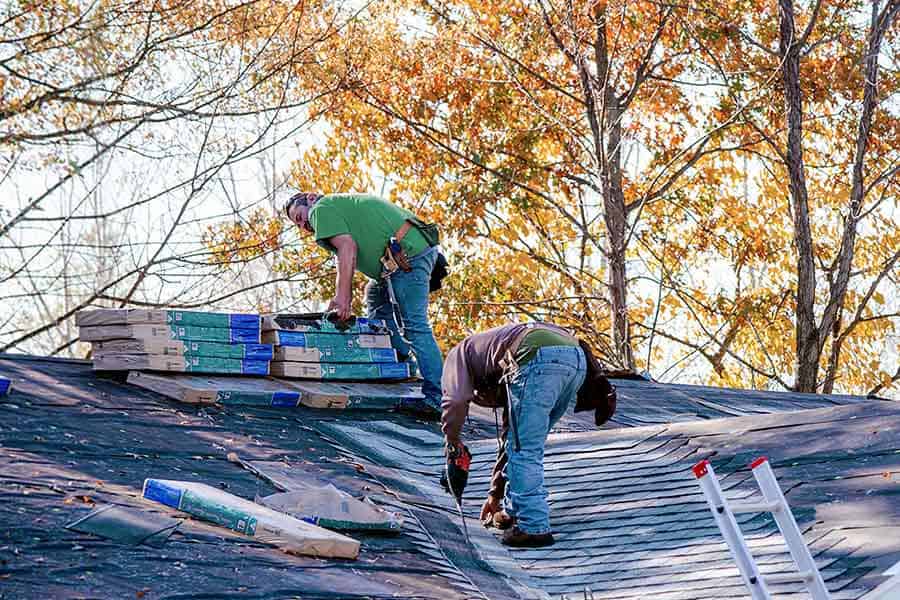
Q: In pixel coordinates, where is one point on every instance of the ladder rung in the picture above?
(789, 577)
(755, 507)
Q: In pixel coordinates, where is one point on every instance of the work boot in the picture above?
(517, 538)
(502, 520)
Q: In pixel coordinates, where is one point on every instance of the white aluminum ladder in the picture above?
(773, 502)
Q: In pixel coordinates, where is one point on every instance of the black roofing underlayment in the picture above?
(628, 515)
(70, 440)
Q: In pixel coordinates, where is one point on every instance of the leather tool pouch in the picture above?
(388, 263)
(395, 257)
(401, 259)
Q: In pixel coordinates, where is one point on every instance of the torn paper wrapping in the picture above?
(332, 508)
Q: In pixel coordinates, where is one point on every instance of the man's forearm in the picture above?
(346, 266)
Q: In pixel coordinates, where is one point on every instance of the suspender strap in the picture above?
(404, 229)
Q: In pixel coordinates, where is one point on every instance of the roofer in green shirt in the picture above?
(397, 252)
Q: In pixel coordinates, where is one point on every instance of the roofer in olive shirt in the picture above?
(358, 227)
(543, 367)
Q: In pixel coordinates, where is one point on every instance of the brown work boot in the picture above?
(502, 520)
(519, 539)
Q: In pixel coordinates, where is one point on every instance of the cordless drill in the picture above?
(456, 474)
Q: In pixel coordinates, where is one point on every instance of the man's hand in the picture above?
(341, 307)
(490, 507)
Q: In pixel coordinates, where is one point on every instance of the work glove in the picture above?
(456, 473)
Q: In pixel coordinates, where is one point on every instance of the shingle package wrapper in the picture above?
(188, 348)
(180, 364)
(196, 333)
(323, 341)
(335, 355)
(343, 371)
(132, 316)
(248, 518)
(332, 508)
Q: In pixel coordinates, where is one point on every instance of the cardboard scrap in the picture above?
(248, 518)
(326, 340)
(342, 370)
(170, 332)
(131, 316)
(332, 508)
(126, 525)
(179, 364)
(184, 348)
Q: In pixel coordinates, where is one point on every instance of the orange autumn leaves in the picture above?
(476, 114)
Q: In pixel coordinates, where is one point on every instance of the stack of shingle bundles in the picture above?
(172, 340)
(310, 348)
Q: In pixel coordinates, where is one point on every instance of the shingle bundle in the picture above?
(311, 348)
(170, 340)
(279, 393)
(5, 386)
(248, 518)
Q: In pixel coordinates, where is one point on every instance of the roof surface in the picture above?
(628, 515)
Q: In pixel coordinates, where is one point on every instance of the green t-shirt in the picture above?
(539, 338)
(370, 221)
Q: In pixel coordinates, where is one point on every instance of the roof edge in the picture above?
(34, 358)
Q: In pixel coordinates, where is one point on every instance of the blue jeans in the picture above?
(539, 394)
(411, 291)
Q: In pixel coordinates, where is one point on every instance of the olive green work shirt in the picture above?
(370, 221)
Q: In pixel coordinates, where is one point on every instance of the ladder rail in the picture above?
(731, 531)
(775, 503)
(787, 524)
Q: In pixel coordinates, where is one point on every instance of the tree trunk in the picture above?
(831, 317)
(616, 226)
(807, 334)
(604, 113)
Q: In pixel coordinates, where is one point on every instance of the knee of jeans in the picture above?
(529, 455)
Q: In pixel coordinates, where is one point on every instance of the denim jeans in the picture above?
(411, 291)
(539, 394)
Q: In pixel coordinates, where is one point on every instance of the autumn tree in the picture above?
(536, 132)
(804, 227)
(125, 127)
(812, 335)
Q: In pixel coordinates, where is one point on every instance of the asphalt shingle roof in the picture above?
(629, 516)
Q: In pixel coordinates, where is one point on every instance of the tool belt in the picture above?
(395, 257)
